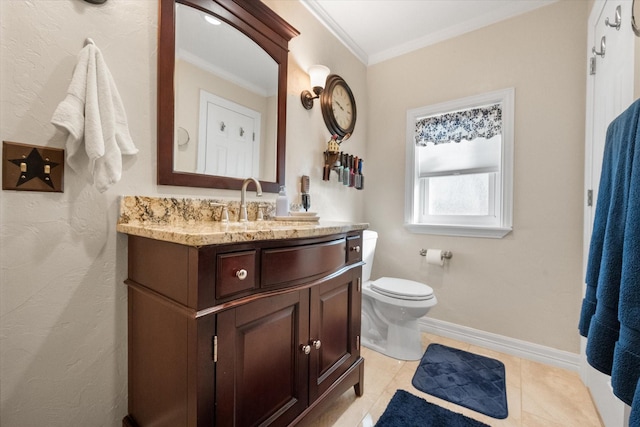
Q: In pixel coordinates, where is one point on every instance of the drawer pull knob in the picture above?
(316, 344)
(306, 349)
(241, 274)
(355, 249)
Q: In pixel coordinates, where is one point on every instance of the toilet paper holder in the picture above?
(444, 255)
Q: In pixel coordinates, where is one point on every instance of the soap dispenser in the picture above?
(282, 202)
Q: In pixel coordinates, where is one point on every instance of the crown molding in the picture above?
(510, 10)
(325, 19)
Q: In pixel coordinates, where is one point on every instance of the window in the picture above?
(460, 167)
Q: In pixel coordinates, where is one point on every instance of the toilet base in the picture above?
(403, 342)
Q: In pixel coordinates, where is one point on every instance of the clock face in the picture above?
(342, 106)
(338, 106)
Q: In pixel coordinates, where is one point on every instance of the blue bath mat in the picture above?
(407, 410)
(466, 379)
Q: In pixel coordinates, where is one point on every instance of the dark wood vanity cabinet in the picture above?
(262, 333)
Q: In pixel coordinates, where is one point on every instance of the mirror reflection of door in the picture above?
(229, 141)
(215, 57)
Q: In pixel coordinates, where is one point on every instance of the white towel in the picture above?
(92, 113)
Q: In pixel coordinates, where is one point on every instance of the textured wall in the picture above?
(527, 285)
(63, 348)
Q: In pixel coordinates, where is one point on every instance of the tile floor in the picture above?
(537, 395)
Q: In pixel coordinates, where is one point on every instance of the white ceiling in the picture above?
(377, 30)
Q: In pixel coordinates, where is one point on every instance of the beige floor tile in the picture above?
(367, 421)
(379, 370)
(347, 410)
(556, 395)
(354, 414)
(530, 420)
(514, 404)
(377, 409)
(402, 379)
(435, 400)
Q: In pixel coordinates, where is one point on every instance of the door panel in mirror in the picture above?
(201, 59)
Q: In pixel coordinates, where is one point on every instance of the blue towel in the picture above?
(599, 317)
(608, 170)
(626, 363)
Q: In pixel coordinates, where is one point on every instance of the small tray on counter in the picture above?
(299, 216)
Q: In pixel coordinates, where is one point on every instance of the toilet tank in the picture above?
(369, 238)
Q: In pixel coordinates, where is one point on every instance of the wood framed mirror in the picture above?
(222, 80)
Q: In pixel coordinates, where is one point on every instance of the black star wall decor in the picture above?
(32, 168)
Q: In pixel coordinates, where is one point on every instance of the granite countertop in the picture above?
(196, 222)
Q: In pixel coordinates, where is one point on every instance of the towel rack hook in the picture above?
(615, 24)
(89, 40)
(603, 47)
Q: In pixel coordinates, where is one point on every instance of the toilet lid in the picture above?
(402, 289)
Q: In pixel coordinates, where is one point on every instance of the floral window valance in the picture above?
(481, 122)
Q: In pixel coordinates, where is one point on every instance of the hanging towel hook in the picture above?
(89, 40)
(617, 22)
(603, 47)
(95, 1)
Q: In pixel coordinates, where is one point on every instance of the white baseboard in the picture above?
(526, 350)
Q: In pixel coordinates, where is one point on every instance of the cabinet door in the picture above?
(261, 371)
(335, 322)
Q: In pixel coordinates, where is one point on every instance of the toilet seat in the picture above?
(402, 289)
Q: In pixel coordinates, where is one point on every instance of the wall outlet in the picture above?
(31, 168)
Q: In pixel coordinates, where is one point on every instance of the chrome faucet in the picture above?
(243, 193)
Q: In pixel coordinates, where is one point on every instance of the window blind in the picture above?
(480, 155)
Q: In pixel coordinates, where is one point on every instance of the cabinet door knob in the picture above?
(241, 274)
(316, 344)
(355, 249)
(306, 349)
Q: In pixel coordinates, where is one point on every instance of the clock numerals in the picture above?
(344, 119)
(338, 106)
(341, 107)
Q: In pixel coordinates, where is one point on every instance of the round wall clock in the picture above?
(338, 106)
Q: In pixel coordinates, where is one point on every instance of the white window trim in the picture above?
(506, 97)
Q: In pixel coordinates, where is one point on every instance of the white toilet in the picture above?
(391, 308)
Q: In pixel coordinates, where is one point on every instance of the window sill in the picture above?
(459, 230)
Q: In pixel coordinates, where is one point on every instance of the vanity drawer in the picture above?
(354, 249)
(235, 273)
(286, 266)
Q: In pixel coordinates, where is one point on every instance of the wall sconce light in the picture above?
(318, 76)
